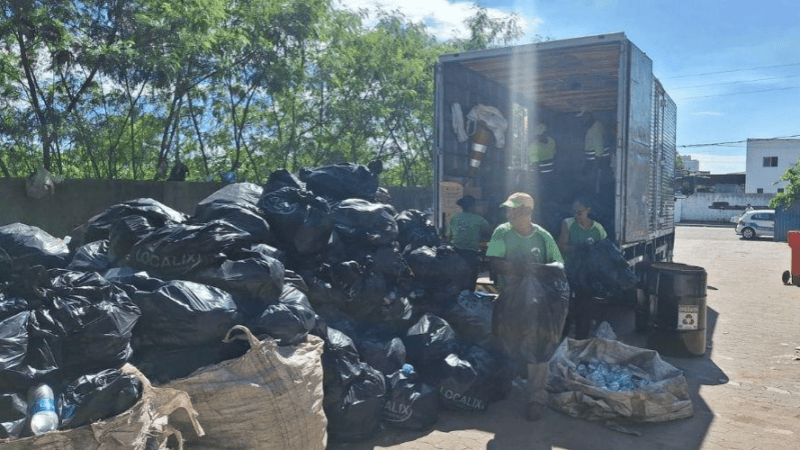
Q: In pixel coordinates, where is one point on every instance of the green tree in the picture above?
(791, 193)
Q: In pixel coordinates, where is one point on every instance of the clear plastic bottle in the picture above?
(42, 407)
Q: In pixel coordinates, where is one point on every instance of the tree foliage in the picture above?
(791, 193)
(126, 88)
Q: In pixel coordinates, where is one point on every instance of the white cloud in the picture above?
(445, 19)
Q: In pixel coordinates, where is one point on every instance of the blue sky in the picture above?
(732, 66)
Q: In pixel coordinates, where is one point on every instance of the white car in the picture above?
(756, 223)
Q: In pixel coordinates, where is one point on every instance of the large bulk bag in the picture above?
(270, 398)
(145, 425)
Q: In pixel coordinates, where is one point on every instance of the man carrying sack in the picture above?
(530, 311)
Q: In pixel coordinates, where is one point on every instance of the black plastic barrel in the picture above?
(680, 323)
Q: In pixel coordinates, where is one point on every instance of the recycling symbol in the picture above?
(689, 319)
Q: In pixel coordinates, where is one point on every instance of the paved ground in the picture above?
(746, 389)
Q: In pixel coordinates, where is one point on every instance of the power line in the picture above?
(740, 93)
(735, 70)
(734, 82)
(720, 144)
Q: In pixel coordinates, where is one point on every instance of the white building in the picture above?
(767, 160)
(692, 165)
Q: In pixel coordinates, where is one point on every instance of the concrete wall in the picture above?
(76, 201)
(696, 207)
(767, 178)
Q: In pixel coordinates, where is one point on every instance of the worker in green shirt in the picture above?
(464, 233)
(514, 246)
(580, 230)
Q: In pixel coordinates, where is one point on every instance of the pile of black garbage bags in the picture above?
(321, 252)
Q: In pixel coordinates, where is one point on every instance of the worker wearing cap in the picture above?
(513, 246)
(465, 231)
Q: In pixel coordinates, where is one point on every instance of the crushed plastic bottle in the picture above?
(613, 377)
(42, 410)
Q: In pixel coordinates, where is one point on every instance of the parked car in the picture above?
(757, 223)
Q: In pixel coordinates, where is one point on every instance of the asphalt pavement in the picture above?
(745, 389)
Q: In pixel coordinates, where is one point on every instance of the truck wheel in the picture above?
(748, 233)
(786, 277)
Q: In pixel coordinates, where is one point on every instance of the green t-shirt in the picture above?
(465, 230)
(508, 244)
(579, 235)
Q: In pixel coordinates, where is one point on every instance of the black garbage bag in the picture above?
(254, 283)
(356, 414)
(363, 288)
(383, 351)
(411, 404)
(86, 325)
(416, 230)
(341, 363)
(175, 251)
(132, 280)
(301, 222)
(471, 317)
(599, 270)
(428, 342)
(163, 364)
(472, 381)
(96, 397)
(245, 195)
(396, 314)
(282, 178)
(10, 306)
(530, 312)
(23, 246)
(126, 232)
(91, 257)
(184, 314)
(247, 219)
(157, 213)
(321, 291)
(359, 222)
(329, 316)
(341, 181)
(440, 269)
(13, 413)
(289, 321)
(256, 251)
(13, 349)
(389, 261)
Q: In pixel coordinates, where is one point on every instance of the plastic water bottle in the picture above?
(407, 369)
(43, 410)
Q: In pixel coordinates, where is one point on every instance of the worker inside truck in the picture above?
(514, 246)
(577, 230)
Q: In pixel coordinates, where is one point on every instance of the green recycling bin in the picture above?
(679, 327)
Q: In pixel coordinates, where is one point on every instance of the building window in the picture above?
(770, 161)
(760, 191)
(780, 190)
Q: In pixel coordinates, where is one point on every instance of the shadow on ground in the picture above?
(503, 427)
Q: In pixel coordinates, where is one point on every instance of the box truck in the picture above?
(562, 120)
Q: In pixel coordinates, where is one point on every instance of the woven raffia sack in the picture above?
(270, 398)
(144, 425)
